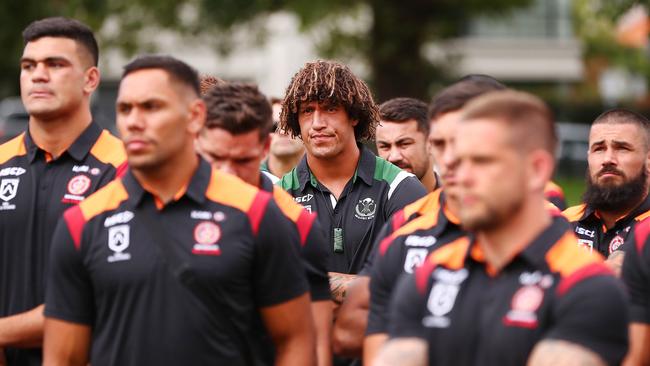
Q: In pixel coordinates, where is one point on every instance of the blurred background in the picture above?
(581, 56)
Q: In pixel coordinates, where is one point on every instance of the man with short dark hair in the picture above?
(63, 157)
(235, 139)
(174, 263)
(401, 138)
(617, 184)
(353, 191)
(519, 290)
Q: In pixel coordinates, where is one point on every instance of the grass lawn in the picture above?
(573, 188)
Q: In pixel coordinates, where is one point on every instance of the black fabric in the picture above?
(401, 255)
(358, 231)
(315, 252)
(29, 215)
(139, 311)
(591, 233)
(471, 316)
(636, 273)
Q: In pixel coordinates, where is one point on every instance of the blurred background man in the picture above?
(285, 151)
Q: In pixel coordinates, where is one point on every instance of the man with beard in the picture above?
(401, 138)
(617, 184)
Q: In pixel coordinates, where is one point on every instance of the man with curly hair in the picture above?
(353, 191)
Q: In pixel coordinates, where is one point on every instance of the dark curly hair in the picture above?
(334, 83)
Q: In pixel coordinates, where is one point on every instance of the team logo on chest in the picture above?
(616, 243)
(443, 297)
(206, 235)
(527, 300)
(365, 209)
(77, 186)
(118, 242)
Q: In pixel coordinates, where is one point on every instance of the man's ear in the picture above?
(91, 80)
(541, 165)
(197, 115)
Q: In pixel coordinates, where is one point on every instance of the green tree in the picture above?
(391, 46)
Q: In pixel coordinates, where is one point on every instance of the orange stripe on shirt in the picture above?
(428, 203)
(109, 150)
(231, 191)
(12, 148)
(421, 223)
(567, 257)
(574, 213)
(452, 256)
(107, 198)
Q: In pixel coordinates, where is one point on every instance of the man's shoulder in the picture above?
(108, 149)
(574, 213)
(105, 199)
(389, 173)
(290, 181)
(13, 148)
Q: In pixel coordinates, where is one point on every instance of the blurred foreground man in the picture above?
(62, 158)
(617, 184)
(401, 138)
(519, 291)
(175, 263)
(365, 311)
(636, 276)
(235, 139)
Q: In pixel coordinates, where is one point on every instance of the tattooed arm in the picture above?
(615, 262)
(403, 352)
(339, 285)
(552, 352)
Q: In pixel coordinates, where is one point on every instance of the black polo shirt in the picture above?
(636, 272)
(592, 233)
(403, 251)
(376, 191)
(471, 315)
(35, 189)
(108, 273)
(314, 249)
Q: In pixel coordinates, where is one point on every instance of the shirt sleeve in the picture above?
(315, 254)
(69, 291)
(279, 274)
(407, 309)
(637, 279)
(408, 190)
(386, 270)
(582, 316)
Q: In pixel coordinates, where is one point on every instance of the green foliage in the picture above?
(595, 25)
(391, 44)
